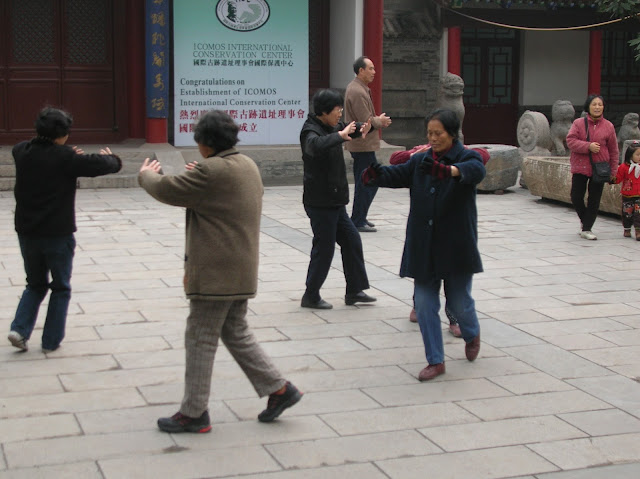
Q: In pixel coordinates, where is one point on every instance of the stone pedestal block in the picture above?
(502, 168)
(551, 178)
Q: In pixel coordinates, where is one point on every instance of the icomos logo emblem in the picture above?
(242, 15)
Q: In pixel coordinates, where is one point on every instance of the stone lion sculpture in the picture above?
(450, 97)
(562, 115)
(628, 131)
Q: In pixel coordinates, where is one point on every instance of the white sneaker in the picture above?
(588, 235)
(17, 340)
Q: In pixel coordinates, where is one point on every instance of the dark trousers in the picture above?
(331, 226)
(44, 255)
(579, 186)
(631, 212)
(362, 195)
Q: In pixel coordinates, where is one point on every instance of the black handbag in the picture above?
(601, 171)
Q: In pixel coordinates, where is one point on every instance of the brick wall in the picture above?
(411, 62)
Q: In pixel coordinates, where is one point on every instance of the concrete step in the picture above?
(278, 164)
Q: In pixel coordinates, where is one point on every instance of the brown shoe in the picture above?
(413, 317)
(472, 348)
(431, 371)
(627, 233)
(638, 234)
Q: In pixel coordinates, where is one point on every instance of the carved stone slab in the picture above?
(550, 177)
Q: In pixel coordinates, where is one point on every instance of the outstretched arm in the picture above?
(186, 190)
(92, 165)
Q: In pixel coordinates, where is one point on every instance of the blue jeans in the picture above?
(362, 195)
(44, 255)
(457, 290)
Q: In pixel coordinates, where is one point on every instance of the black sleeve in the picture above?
(357, 134)
(92, 165)
(314, 144)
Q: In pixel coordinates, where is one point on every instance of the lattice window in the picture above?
(86, 32)
(500, 74)
(620, 81)
(471, 72)
(33, 31)
(487, 34)
(487, 65)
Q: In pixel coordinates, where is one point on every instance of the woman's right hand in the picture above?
(350, 128)
(594, 147)
(150, 165)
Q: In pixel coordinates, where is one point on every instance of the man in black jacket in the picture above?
(326, 192)
(46, 178)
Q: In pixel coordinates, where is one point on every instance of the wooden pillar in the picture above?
(372, 46)
(157, 40)
(453, 50)
(595, 61)
(135, 68)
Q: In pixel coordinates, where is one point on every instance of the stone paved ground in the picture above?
(553, 395)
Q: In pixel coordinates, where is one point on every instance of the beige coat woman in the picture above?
(223, 197)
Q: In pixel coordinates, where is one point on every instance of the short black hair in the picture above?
(217, 130)
(633, 146)
(590, 98)
(324, 101)
(360, 63)
(53, 123)
(449, 120)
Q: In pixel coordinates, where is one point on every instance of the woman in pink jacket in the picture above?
(602, 145)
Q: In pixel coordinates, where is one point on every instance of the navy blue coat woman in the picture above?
(441, 243)
(442, 229)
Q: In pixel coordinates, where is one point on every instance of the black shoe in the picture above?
(368, 223)
(320, 304)
(366, 229)
(279, 402)
(181, 423)
(361, 297)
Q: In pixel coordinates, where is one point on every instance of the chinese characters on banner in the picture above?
(247, 57)
(157, 58)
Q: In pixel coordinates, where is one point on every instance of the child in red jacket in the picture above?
(629, 176)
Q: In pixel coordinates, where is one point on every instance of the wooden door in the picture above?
(318, 45)
(63, 53)
(490, 72)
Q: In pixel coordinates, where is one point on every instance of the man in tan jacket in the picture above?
(222, 195)
(358, 107)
